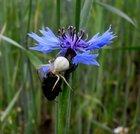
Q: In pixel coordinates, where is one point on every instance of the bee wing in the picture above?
(43, 71)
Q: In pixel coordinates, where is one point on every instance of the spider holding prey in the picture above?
(57, 71)
(74, 48)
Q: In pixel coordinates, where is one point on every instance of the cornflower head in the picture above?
(71, 40)
(74, 48)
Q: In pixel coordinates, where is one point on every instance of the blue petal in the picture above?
(43, 49)
(98, 41)
(49, 35)
(45, 43)
(86, 58)
(43, 70)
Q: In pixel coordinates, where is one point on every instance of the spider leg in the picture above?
(50, 61)
(65, 81)
(58, 78)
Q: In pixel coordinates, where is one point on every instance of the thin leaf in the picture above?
(3, 29)
(101, 125)
(85, 12)
(33, 59)
(10, 106)
(11, 41)
(58, 13)
(129, 48)
(77, 14)
(117, 11)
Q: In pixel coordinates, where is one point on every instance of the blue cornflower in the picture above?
(74, 48)
(70, 39)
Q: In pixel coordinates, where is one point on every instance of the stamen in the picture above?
(71, 33)
(70, 30)
(62, 45)
(64, 36)
(86, 37)
(82, 34)
(61, 32)
(77, 38)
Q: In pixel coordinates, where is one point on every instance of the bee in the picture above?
(48, 84)
(58, 70)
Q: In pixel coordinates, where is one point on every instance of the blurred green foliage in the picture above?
(104, 97)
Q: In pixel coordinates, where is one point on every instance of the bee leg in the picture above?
(66, 81)
(58, 78)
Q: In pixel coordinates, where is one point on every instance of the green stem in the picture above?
(63, 111)
(77, 14)
(58, 13)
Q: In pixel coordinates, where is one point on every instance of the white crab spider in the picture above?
(59, 65)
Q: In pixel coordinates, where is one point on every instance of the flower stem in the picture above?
(58, 13)
(63, 111)
(77, 14)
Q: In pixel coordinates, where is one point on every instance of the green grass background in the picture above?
(104, 97)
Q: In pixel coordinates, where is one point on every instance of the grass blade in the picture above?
(77, 14)
(11, 41)
(102, 126)
(117, 11)
(33, 59)
(10, 106)
(85, 13)
(3, 29)
(58, 13)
